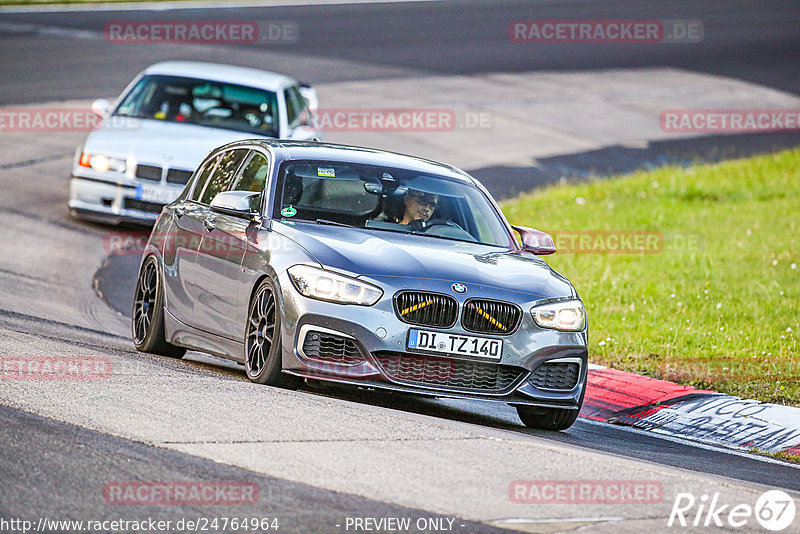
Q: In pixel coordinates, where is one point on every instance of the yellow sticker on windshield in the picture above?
(327, 172)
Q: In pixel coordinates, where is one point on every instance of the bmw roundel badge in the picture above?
(459, 288)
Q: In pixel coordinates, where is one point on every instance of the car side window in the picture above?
(223, 176)
(254, 175)
(202, 178)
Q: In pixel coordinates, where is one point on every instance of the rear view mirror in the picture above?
(536, 241)
(373, 188)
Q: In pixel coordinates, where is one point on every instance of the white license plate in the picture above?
(157, 194)
(480, 347)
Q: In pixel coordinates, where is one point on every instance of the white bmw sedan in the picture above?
(166, 121)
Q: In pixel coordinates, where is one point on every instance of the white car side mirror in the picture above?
(101, 107)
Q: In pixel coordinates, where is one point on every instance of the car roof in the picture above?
(314, 150)
(262, 79)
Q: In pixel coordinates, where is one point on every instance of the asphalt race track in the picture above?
(322, 455)
(754, 43)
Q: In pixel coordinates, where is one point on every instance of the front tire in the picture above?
(547, 418)
(147, 318)
(262, 344)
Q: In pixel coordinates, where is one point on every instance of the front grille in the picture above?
(418, 369)
(557, 375)
(141, 205)
(490, 316)
(178, 176)
(426, 309)
(148, 172)
(331, 348)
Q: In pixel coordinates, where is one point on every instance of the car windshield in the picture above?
(202, 102)
(388, 199)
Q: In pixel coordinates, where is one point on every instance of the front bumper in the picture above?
(377, 336)
(109, 202)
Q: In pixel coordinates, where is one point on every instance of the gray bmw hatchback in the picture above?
(306, 260)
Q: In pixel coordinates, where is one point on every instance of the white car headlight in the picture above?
(324, 285)
(569, 315)
(101, 163)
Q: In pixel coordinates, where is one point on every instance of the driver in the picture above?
(419, 206)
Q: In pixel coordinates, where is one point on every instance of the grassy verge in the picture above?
(714, 301)
(786, 457)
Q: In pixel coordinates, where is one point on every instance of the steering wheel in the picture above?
(420, 225)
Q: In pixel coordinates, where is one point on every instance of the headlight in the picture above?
(569, 315)
(324, 285)
(101, 163)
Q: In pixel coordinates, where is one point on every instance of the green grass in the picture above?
(718, 306)
(785, 456)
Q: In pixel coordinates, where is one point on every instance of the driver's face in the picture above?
(420, 206)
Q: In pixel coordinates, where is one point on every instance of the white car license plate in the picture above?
(480, 347)
(156, 193)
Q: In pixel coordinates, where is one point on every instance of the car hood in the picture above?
(160, 143)
(377, 254)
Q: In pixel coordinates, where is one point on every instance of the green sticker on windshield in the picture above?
(288, 211)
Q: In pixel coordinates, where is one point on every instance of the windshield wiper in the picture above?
(334, 223)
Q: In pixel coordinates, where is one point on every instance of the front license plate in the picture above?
(480, 347)
(156, 194)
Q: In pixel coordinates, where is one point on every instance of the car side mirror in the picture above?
(310, 95)
(536, 241)
(236, 203)
(100, 107)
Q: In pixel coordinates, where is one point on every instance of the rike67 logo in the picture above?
(774, 511)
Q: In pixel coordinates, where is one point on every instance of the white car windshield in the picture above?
(202, 102)
(388, 199)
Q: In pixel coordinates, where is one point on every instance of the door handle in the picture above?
(210, 224)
